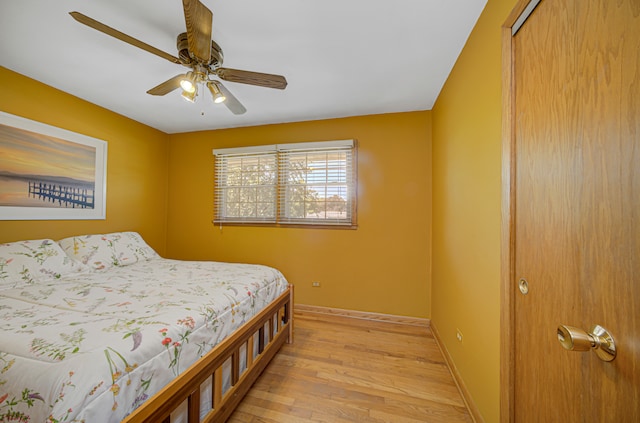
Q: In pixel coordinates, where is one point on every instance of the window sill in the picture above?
(288, 225)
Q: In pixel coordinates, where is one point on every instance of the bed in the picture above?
(99, 328)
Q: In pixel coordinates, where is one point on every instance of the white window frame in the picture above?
(340, 176)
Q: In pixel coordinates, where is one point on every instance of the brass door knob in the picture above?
(599, 340)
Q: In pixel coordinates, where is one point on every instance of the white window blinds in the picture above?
(246, 187)
(302, 183)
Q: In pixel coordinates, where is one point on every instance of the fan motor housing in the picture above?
(183, 51)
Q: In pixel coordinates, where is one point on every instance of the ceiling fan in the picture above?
(198, 52)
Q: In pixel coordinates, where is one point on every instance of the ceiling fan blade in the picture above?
(231, 102)
(83, 19)
(167, 86)
(198, 20)
(253, 78)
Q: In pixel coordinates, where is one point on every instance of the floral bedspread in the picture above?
(92, 347)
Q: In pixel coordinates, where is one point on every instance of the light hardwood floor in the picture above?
(341, 369)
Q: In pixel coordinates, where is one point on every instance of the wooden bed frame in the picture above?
(277, 318)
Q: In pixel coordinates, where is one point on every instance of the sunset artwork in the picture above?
(38, 170)
(49, 173)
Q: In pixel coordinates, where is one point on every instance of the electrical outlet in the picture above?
(315, 284)
(459, 335)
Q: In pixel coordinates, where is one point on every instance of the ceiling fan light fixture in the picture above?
(197, 51)
(190, 96)
(218, 97)
(188, 83)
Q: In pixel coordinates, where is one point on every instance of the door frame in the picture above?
(507, 247)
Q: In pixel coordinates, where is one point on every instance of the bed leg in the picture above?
(288, 311)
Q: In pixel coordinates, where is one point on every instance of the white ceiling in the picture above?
(340, 57)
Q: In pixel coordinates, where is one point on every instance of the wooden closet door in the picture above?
(576, 117)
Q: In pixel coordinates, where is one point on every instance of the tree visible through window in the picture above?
(306, 183)
(249, 187)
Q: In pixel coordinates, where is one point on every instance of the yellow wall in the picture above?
(136, 163)
(383, 266)
(466, 210)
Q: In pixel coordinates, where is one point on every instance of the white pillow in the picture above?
(102, 252)
(27, 262)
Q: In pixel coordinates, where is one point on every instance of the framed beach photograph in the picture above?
(49, 173)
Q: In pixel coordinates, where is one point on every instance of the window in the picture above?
(289, 184)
